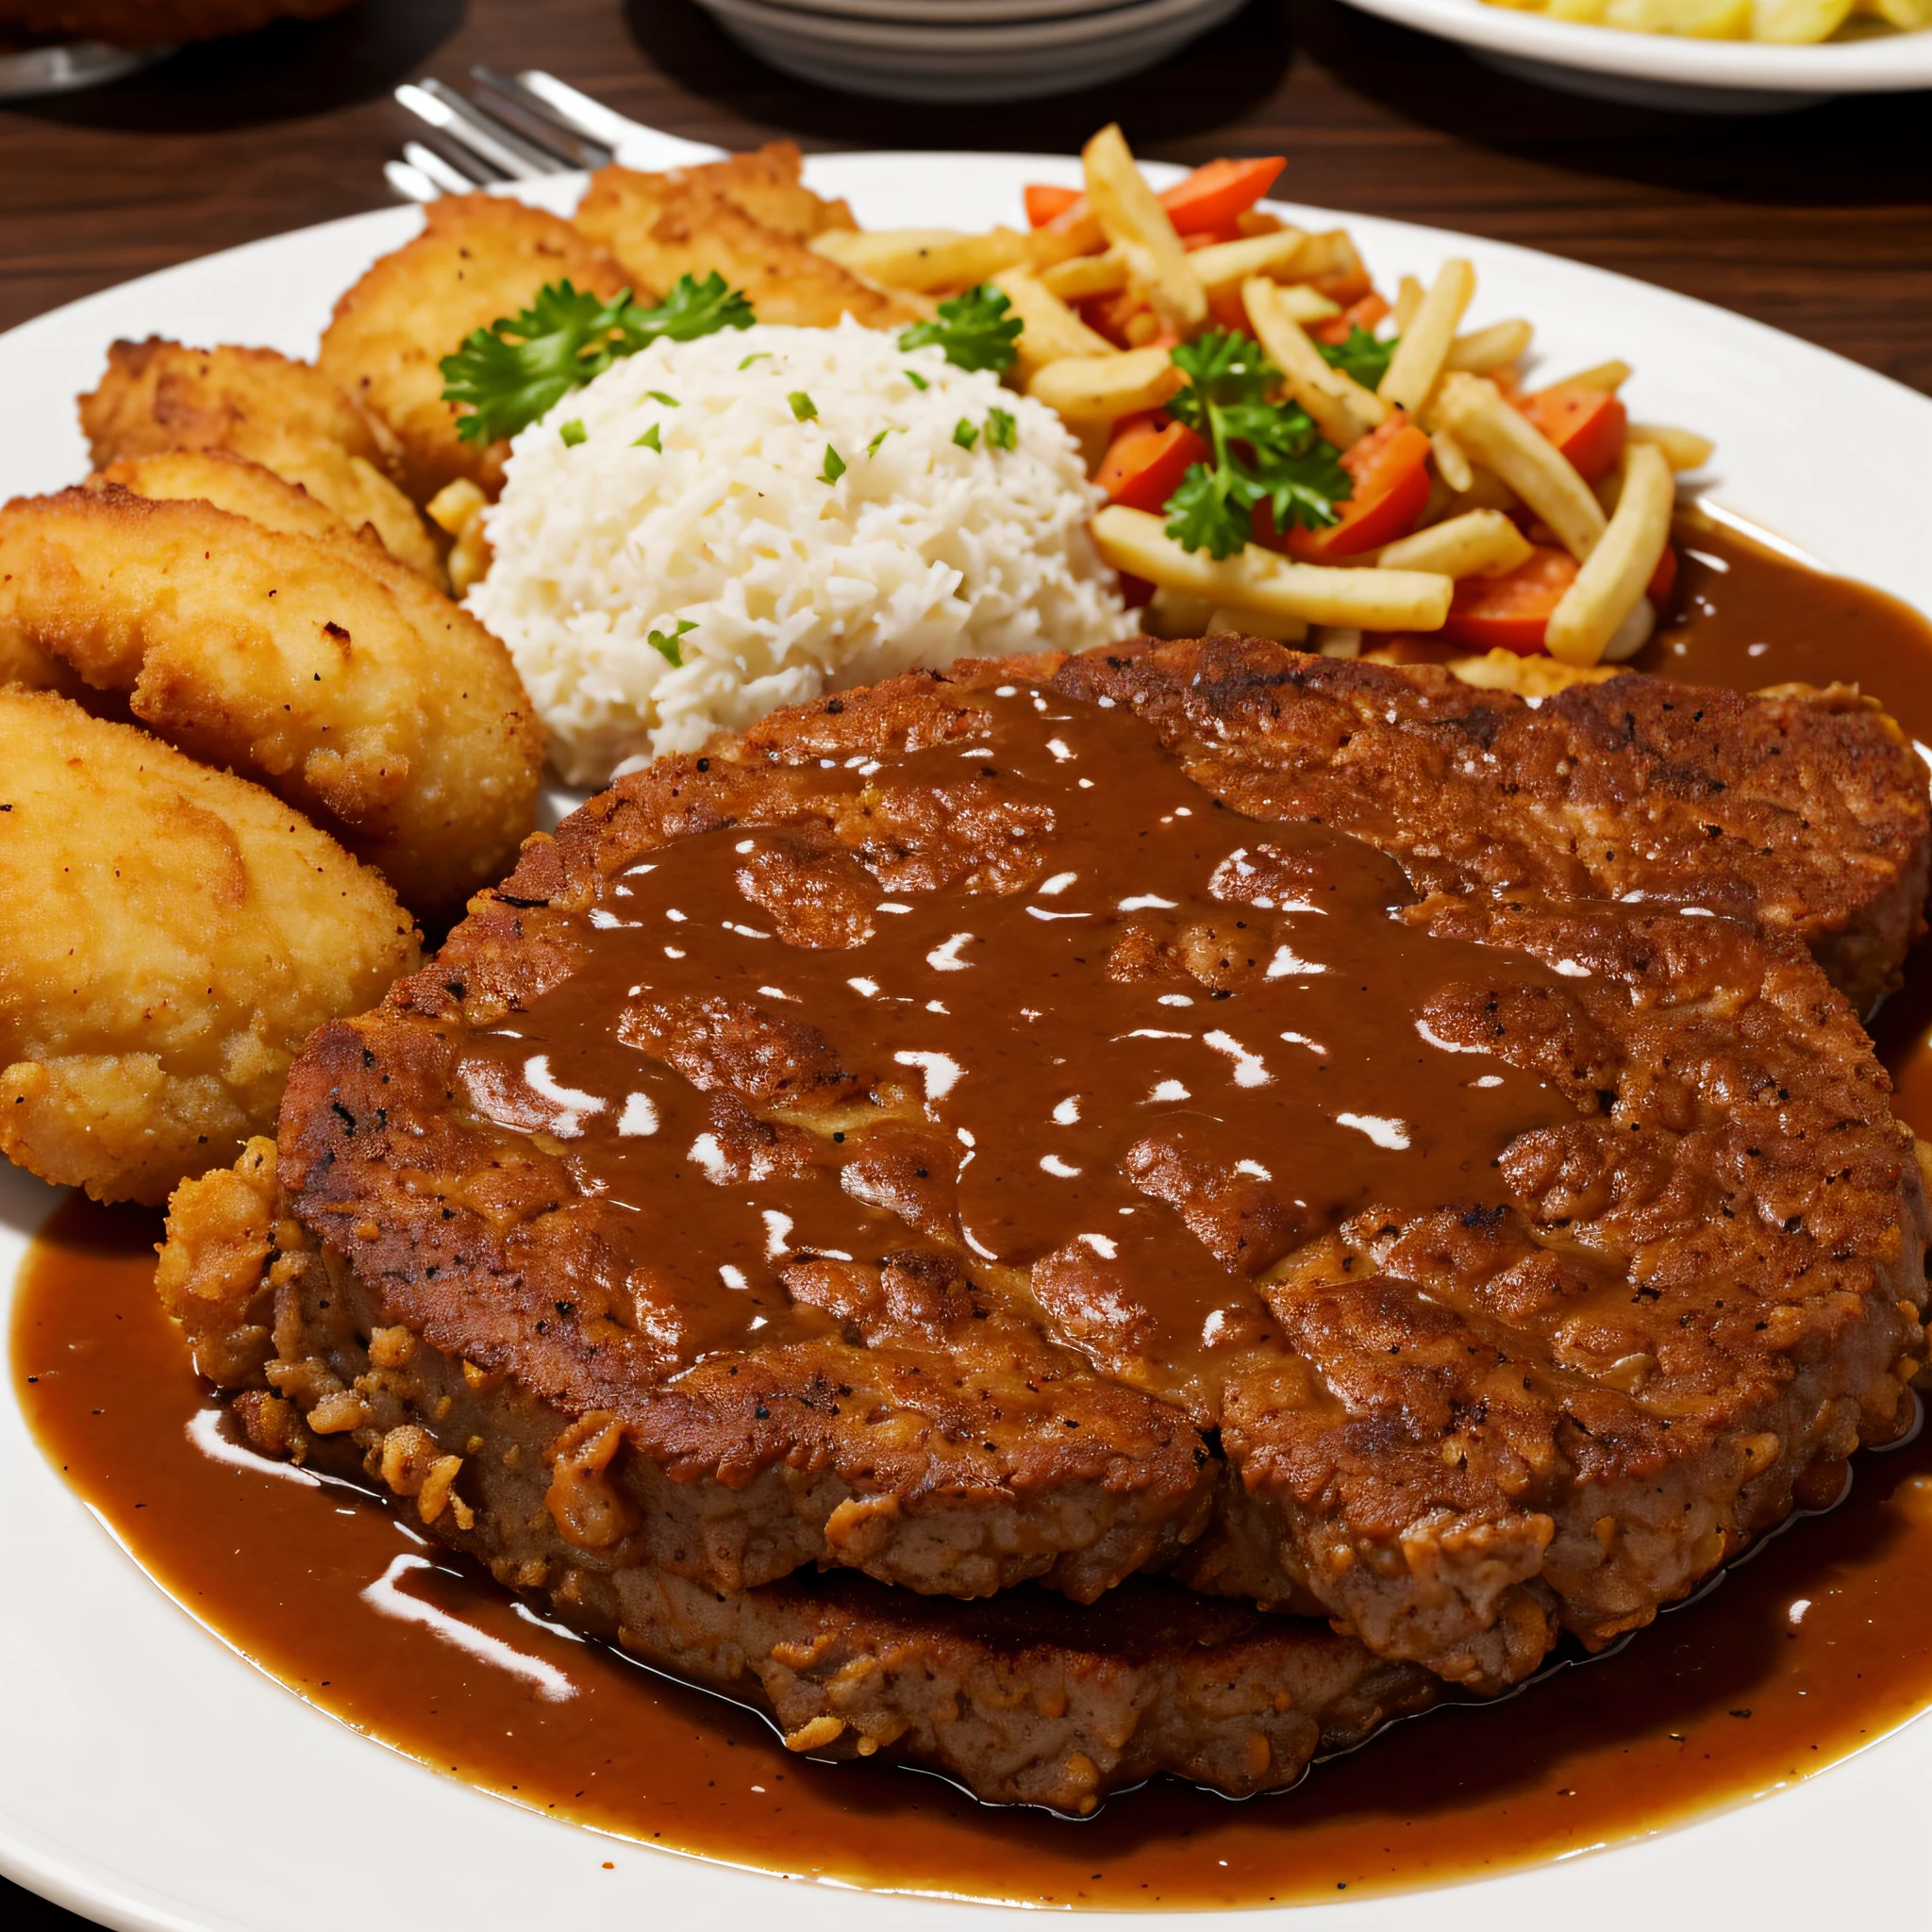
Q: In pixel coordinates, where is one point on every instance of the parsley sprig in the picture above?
(513, 371)
(1361, 355)
(666, 642)
(973, 330)
(1263, 452)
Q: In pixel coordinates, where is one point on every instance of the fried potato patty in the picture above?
(689, 222)
(768, 184)
(232, 483)
(156, 397)
(315, 664)
(184, 933)
(478, 259)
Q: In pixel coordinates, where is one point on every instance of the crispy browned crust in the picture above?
(1704, 1292)
(953, 1449)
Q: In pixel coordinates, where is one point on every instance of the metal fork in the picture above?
(520, 128)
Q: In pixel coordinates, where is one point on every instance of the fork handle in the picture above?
(634, 144)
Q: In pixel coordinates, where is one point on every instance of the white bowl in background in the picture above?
(1017, 62)
(1668, 71)
(922, 13)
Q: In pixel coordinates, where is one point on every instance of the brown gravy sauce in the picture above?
(1813, 1646)
(1079, 1076)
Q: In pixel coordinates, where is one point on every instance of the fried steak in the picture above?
(1454, 1409)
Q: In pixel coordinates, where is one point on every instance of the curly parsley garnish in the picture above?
(1361, 355)
(513, 371)
(1263, 452)
(973, 330)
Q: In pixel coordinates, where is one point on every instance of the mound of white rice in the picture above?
(921, 552)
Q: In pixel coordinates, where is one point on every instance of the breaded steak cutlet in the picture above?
(994, 1126)
(1025, 1696)
(1801, 811)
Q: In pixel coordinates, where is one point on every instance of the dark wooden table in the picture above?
(1819, 223)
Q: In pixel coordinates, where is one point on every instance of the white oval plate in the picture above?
(1668, 70)
(152, 1780)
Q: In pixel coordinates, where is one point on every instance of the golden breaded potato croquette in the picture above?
(768, 185)
(157, 396)
(231, 483)
(22, 662)
(661, 226)
(182, 934)
(316, 664)
(478, 259)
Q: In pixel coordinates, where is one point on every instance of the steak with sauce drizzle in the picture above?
(1025, 1697)
(1616, 1250)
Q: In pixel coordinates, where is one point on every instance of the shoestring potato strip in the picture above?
(1540, 517)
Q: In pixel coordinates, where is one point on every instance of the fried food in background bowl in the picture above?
(145, 23)
(254, 635)
(184, 933)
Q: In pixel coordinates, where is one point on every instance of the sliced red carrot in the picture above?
(1146, 459)
(1663, 580)
(1213, 197)
(1363, 314)
(1391, 488)
(1511, 611)
(1587, 425)
(1043, 201)
(1209, 237)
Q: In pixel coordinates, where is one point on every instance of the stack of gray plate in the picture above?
(965, 50)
